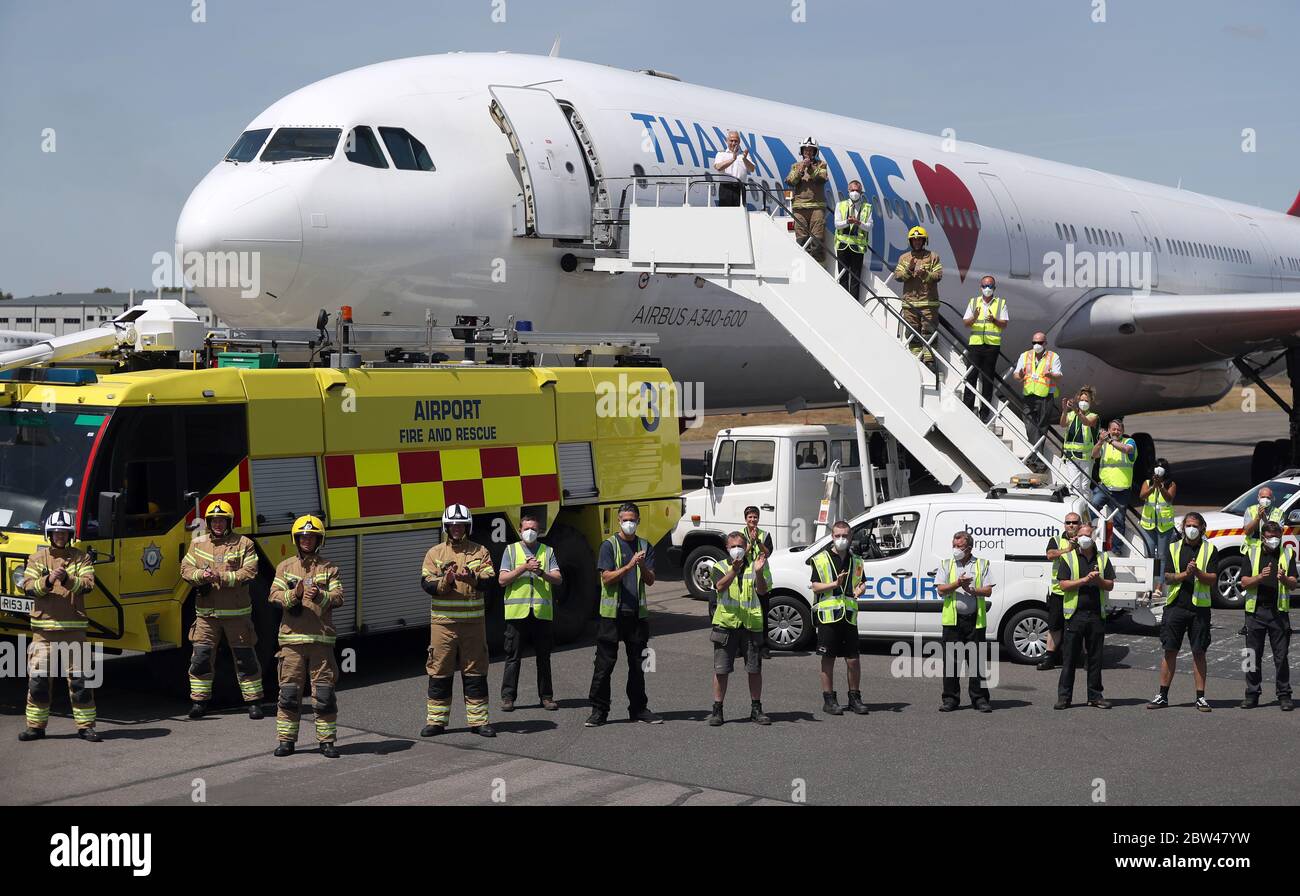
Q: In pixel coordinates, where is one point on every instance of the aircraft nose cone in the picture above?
(240, 235)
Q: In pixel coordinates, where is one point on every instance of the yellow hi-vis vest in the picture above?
(529, 593)
(738, 606)
(1157, 512)
(1117, 468)
(1253, 555)
(609, 593)
(855, 241)
(1061, 544)
(754, 547)
(831, 607)
(1079, 436)
(1201, 591)
(984, 331)
(1036, 381)
(1274, 514)
(1072, 597)
(950, 599)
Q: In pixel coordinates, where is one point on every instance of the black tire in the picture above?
(695, 569)
(1263, 462)
(577, 596)
(789, 624)
(1146, 460)
(1024, 635)
(1227, 589)
(1282, 447)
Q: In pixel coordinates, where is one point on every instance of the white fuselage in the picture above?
(396, 243)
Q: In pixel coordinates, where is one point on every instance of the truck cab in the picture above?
(782, 470)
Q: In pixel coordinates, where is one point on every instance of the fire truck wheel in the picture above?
(576, 597)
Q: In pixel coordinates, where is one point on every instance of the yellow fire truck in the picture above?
(377, 450)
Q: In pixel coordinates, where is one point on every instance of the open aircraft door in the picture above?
(556, 184)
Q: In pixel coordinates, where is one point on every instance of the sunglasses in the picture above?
(1071, 522)
(1036, 342)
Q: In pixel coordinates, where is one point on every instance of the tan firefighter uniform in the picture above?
(223, 608)
(307, 637)
(920, 295)
(809, 204)
(58, 618)
(457, 630)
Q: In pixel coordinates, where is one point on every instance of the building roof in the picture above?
(69, 299)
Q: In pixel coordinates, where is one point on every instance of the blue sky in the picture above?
(143, 101)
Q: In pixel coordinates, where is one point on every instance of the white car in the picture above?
(902, 542)
(1224, 530)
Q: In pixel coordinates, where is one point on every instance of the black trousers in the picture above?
(634, 633)
(965, 636)
(983, 368)
(1037, 410)
(850, 263)
(538, 633)
(730, 193)
(1278, 628)
(1084, 631)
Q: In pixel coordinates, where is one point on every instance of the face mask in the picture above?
(1160, 471)
(628, 527)
(736, 553)
(841, 544)
(987, 290)
(1265, 502)
(958, 553)
(1084, 405)
(1085, 541)
(1039, 348)
(854, 195)
(1191, 533)
(1272, 543)
(529, 536)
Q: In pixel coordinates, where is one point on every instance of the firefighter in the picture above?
(807, 179)
(310, 590)
(920, 272)
(738, 582)
(528, 573)
(57, 578)
(837, 583)
(454, 574)
(220, 566)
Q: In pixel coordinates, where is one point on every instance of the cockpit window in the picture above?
(296, 144)
(363, 148)
(408, 153)
(246, 147)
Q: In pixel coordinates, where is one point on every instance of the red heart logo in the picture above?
(943, 189)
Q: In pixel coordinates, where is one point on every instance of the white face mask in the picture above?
(1085, 541)
(1084, 404)
(1272, 543)
(628, 527)
(987, 290)
(1039, 348)
(1191, 533)
(1265, 502)
(1160, 471)
(736, 553)
(841, 544)
(958, 553)
(854, 195)
(529, 536)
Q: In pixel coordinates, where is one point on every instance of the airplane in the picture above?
(397, 189)
(12, 339)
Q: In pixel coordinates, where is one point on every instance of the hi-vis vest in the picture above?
(1036, 371)
(1157, 512)
(1252, 512)
(609, 593)
(984, 331)
(1201, 591)
(1061, 543)
(529, 592)
(1079, 436)
(950, 599)
(831, 607)
(1253, 555)
(738, 606)
(1117, 468)
(1072, 597)
(753, 548)
(855, 241)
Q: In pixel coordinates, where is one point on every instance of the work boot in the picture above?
(284, 748)
(31, 734)
(484, 730)
(432, 730)
(198, 709)
(90, 735)
(255, 711)
(1250, 702)
(983, 705)
(856, 704)
(715, 717)
(596, 719)
(831, 704)
(1286, 704)
(1051, 660)
(756, 714)
(1061, 704)
(549, 705)
(948, 706)
(329, 750)
(507, 705)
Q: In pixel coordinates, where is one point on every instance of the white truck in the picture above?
(901, 543)
(782, 470)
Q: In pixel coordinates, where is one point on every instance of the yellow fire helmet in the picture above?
(220, 508)
(918, 232)
(309, 525)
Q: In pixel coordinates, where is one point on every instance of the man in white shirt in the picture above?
(986, 318)
(733, 161)
(1039, 370)
(965, 585)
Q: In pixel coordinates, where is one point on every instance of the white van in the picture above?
(902, 542)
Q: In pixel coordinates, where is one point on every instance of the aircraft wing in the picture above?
(1162, 333)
